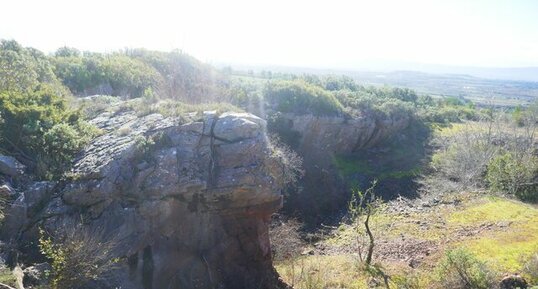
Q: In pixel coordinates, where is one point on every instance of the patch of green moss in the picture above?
(349, 165)
(400, 174)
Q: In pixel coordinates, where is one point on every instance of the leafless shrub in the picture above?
(531, 268)
(464, 152)
(286, 243)
(290, 162)
(79, 256)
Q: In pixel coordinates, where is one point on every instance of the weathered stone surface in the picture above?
(234, 127)
(190, 202)
(36, 275)
(10, 166)
(320, 139)
(327, 135)
(6, 191)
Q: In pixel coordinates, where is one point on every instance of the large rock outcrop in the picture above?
(325, 136)
(188, 202)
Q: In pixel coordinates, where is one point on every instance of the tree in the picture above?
(23, 69)
(301, 97)
(17, 70)
(67, 52)
(361, 207)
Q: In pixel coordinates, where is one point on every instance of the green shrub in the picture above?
(450, 113)
(514, 175)
(301, 97)
(115, 74)
(395, 108)
(368, 101)
(184, 77)
(407, 281)
(42, 129)
(460, 269)
(23, 69)
(334, 83)
(61, 143)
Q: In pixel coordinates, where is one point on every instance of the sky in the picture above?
(306, 33)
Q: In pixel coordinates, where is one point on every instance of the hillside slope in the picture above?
(412, 238)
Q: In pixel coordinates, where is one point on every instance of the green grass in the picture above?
(494, 209)
(400, 174)
(506, 250)
(320, 272)
(504, 247)
(350, 165)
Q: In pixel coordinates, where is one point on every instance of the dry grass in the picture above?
(323, 272)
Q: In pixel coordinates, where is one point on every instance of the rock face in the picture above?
(10, 166)
(318, 140)
(329, 135)
(189, 201)
(36, 275)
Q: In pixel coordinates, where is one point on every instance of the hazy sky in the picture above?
(339, 34)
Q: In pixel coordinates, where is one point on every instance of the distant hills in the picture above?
(497, 73)
(487, 86)
(479, 90)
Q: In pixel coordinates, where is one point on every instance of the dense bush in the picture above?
(184, 77)
(38, 125)
(464, 161)
(461, 270)
(23, 69)
(514, 175)
(334, 83)
(114, 74)
(129, 73)
(450, 114)
(40, 128)
(376, 102)
(300, 97)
